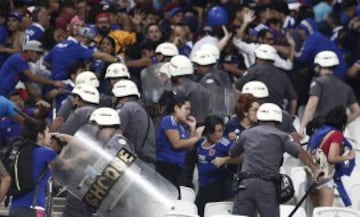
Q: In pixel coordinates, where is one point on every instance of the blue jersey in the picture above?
(33, 32)
(6, 107)
(209, 173)
(11, 72)
(3, 38)
(64, 55)
(164, 150)
(41, 157)
(233, 126)
(9, 129)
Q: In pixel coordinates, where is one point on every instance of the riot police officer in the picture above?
(263, 147)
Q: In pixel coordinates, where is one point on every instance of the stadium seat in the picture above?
(299, 179)
(290, 162)
(183, 206)
(285, 210)
(179, 214)
(228, 215)
(187, 194)
(218, 208)
(335, 212)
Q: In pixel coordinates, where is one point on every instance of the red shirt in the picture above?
(335, 137)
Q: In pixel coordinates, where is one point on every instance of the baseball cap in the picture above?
(174, 11)
(101, 15)
(76, 19)
(87, 33)
(33, 46)
(16, 15)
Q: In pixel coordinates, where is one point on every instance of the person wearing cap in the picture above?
(163, 53)
(262, 148)
(259, 90)
(326, 91)
(15, 33)
(172, 17)
(8, 110)
(89, 36)
(121, 37)
(86, 99)
(106, 122)
(264, 36)
(16, 68)
(41, 21)
(114, 73)
(10, 128)
(315, 42)
(136, 124)
(181, 72)
(277, 82)
(76, 23)
(84, 77)
(206, 72)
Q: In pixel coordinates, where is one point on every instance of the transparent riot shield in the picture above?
(154, 80)
(223, 100)
(110, 179)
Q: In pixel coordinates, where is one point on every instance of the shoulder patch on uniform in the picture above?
(313, 84)
(291, 138)
(224, 141)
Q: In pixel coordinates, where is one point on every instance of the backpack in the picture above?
(316, 142)
(17, 160)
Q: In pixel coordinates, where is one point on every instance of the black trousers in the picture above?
(170, 171)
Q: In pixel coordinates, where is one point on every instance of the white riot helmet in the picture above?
(265, 52)
(180, 65)
(326, 59)
(87, 93)
(257, 88)
(87, 77)
(212, 48)
(105, 117)
(269, 112)
(117, 70)
(164, 70)
(124, 88)
(203, 58)
(167, 49)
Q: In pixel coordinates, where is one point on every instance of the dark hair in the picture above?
(282, 7)
(47, 38)
(32, 127)
(112, 42)
(337, 117)
(170, 99)
(335, 17)
(210, 123)
(35, 13)
(263, 32)
(243, 104)
(76, 66)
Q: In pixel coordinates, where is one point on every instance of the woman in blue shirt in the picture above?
(175, 134)
(212, 154)
(27, 204)
(245, 109)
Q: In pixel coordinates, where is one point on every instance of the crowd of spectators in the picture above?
(207, 46)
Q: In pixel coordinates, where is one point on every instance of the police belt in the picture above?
(147, 159)
(245, 175)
